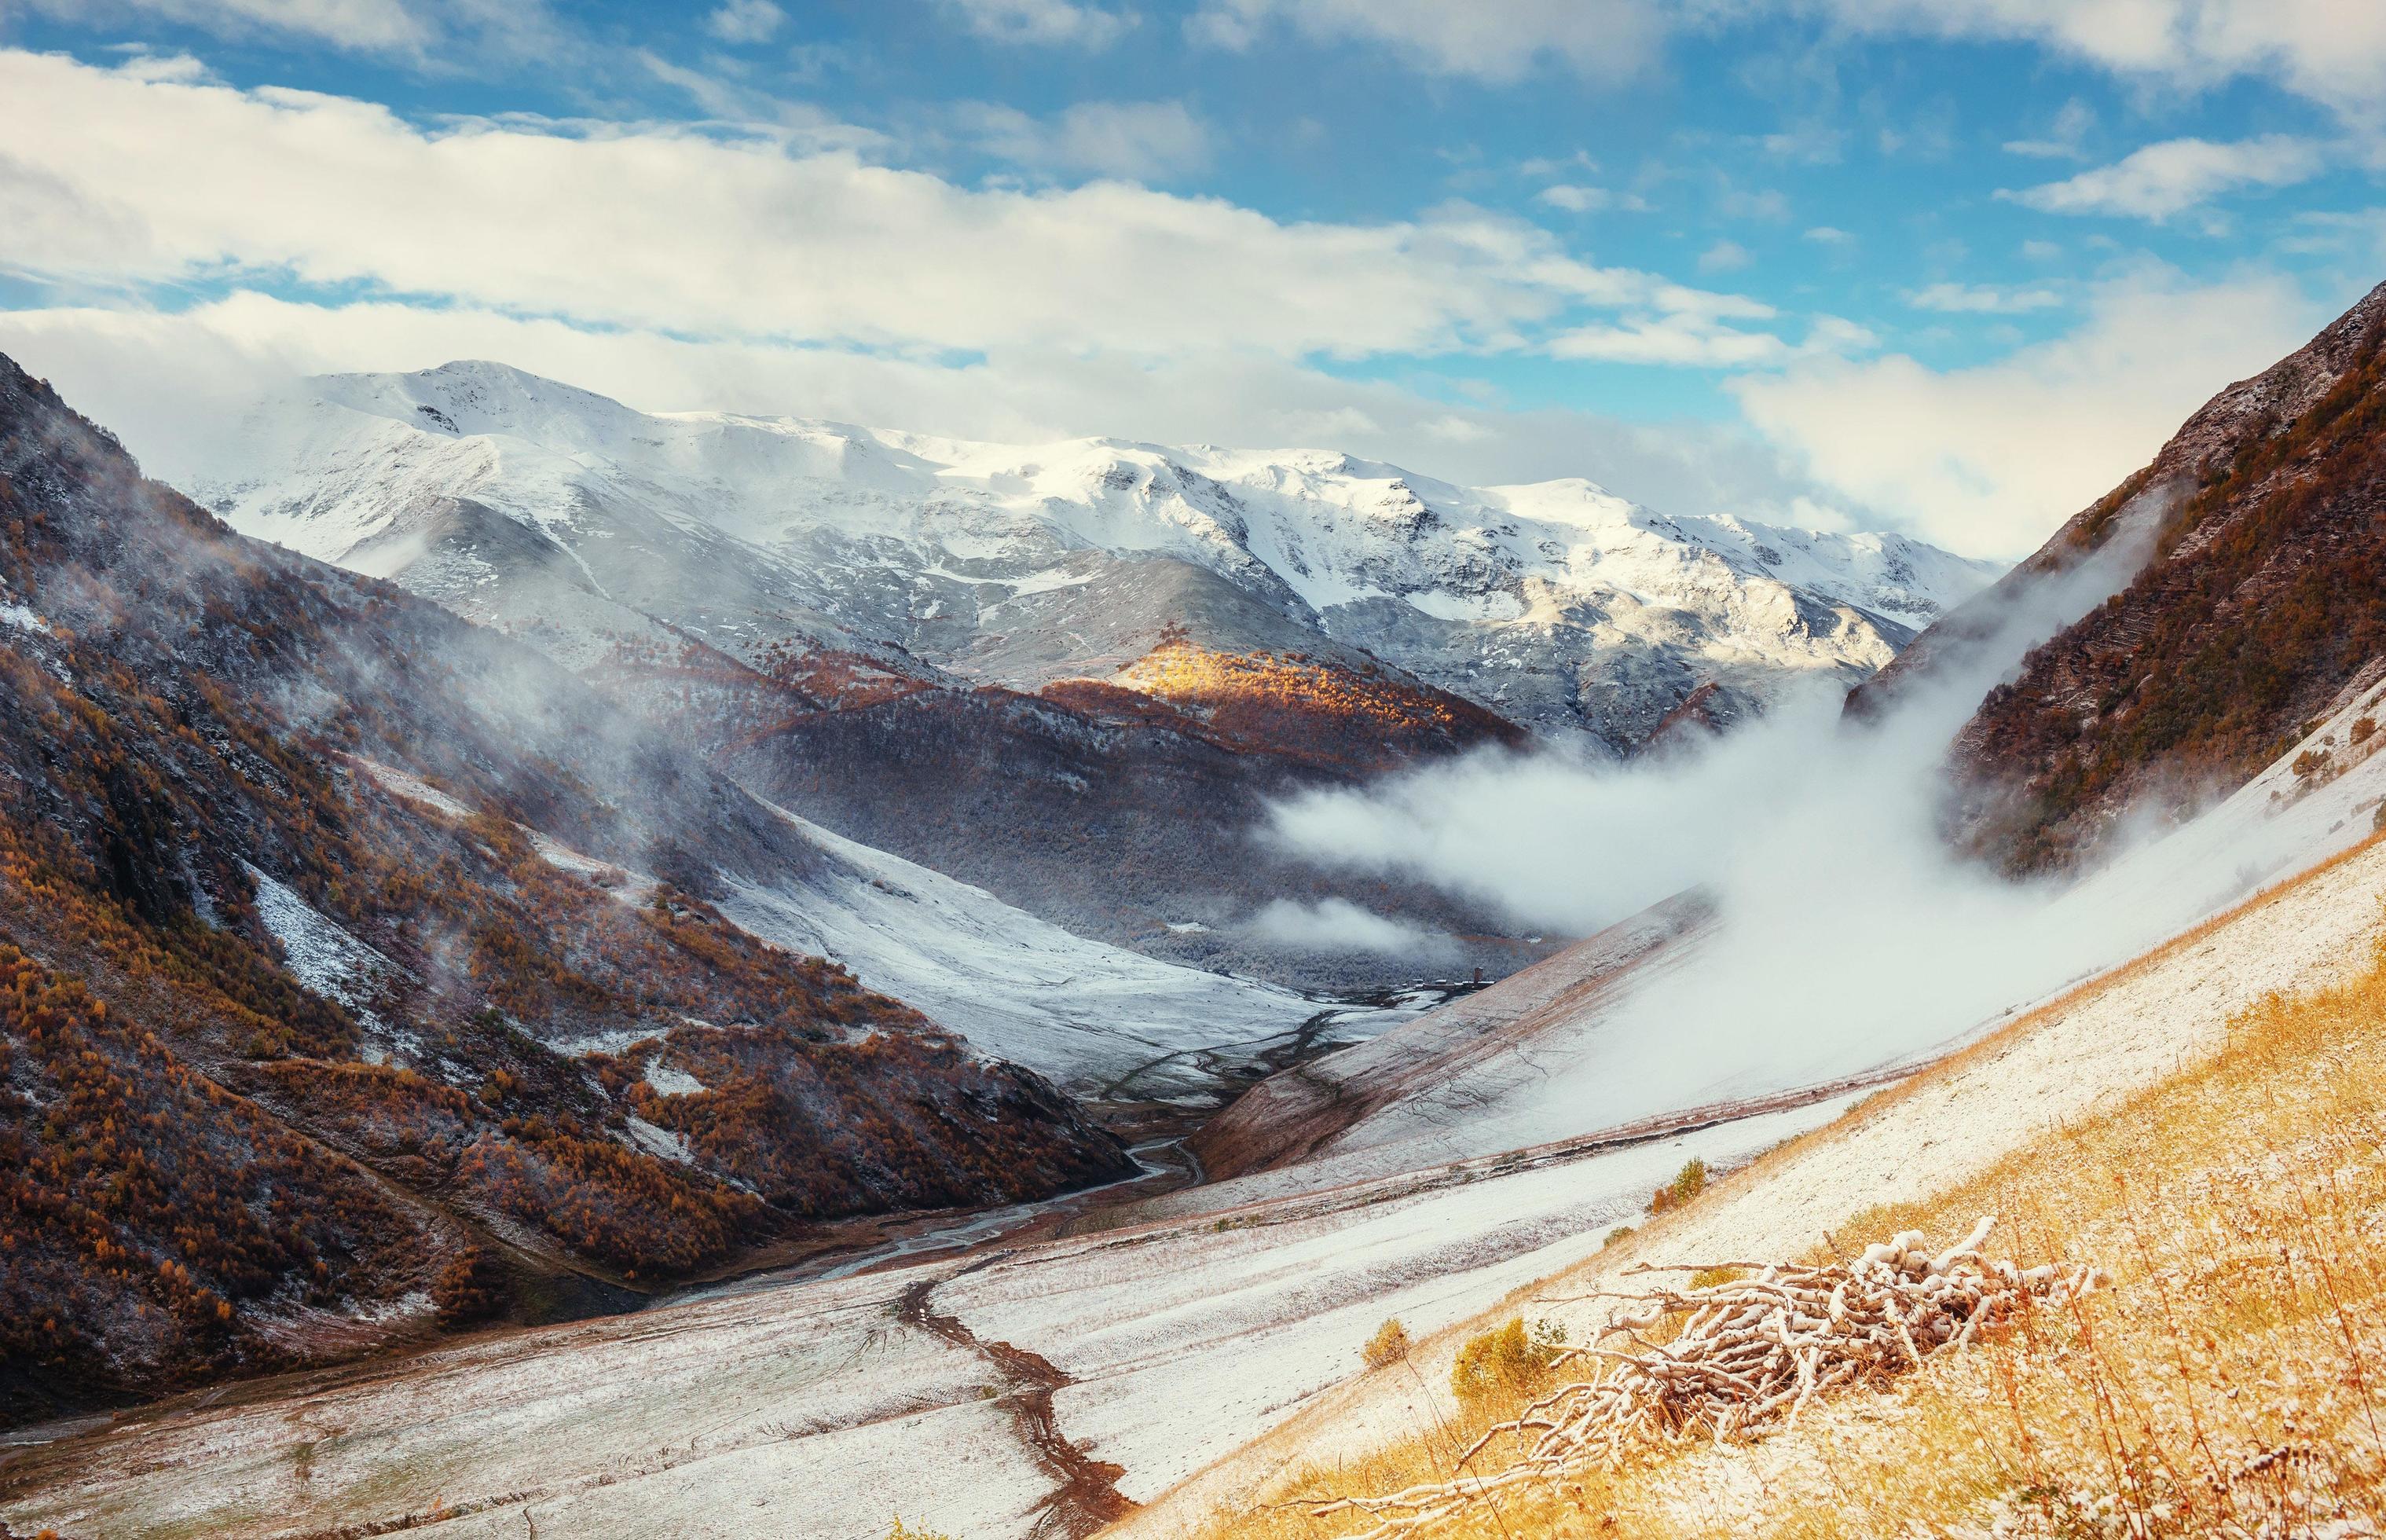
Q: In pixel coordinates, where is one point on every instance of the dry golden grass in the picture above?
(2231, 1381)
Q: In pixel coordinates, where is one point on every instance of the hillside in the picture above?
(1204, 1351)
(2257, 539)
(2184, 1123)
(366, 972)
(1089, 646)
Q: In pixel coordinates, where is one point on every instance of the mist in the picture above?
(1848, 934)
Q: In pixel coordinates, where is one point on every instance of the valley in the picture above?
(601, 1134)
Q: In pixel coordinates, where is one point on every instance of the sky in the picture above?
(1952, 267)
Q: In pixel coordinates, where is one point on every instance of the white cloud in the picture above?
(1141, 140)
(1978, 299)
(1824, 235)
(160, 379)
(1487, 40)
(1991, 459)
(2063, 136)
(2333, 51)
(2169, 178)
(361, 26)
(1574, 200)
(746, 21)
(112, 178)
(1338, 925)
(1049, 23)
(469, 32)
(1724, 256)
(1685, 340)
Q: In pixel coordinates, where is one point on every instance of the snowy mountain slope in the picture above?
(1558, 604)
(1083, 1014)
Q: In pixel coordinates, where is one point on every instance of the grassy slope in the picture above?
(2236, 1367)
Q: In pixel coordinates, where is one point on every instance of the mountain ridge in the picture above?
(2243, 601)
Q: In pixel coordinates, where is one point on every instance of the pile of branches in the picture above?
(1749, 1354)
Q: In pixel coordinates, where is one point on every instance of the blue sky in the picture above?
(1952, 267)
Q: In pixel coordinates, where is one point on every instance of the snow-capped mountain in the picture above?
(579, 521)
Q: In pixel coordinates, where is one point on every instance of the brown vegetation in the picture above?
(2265, 596)
(1309, 709)
(199, 1150)
(2230, 1379)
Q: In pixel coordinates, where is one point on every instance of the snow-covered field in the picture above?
(817, 1410)
(2101, 1041)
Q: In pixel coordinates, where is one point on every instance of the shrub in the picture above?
(1625, 1231)
(471, 1287)
(905, 1532)
(2309, 763)
(1388, 1345)
(1688, 1183)
(2363, 728)
(1506, 1358)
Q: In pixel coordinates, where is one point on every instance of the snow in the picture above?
(673, 1082)
(22, 619)
(1089, 1017)
(954, 551)
(413, 789)
(1086, 1015)
(811, 1409)
(2085, 1053)
(1212, 1335)
(319, 953)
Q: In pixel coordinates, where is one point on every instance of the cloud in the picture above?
(2169, 178)
(787, 233)
(1724, 256)
(1574, 200)
(1145, 141)
(1975, 299)
(361, 26)
(1845, 932)
(1989, 459)
(2331, 51)
(1487, 40)
(1338, 925)
(161, 379)
(2062, 140)
(1824, 235)
(1047, 23)
(746, 21)
(410, 28)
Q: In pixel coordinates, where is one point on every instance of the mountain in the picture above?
(1076, 674)
(361, 971)
(2248, 600)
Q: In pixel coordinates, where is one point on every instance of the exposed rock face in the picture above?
(354, 959)
(1160, 641)
(2259, 593)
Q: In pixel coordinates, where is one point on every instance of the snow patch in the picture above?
(319, 953)
(673, 1082)
(412, 789)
